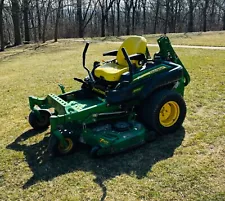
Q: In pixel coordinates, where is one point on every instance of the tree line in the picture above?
(22, 21)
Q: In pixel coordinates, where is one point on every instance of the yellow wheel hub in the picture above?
(68, 148)
(169, 114)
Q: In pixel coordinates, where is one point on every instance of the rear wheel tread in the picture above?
(153, 105)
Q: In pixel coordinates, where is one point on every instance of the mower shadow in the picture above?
(138, 161)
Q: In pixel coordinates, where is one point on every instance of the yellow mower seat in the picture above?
(112, 71)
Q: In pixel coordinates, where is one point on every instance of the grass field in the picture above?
(211, 38)
(188, 165)
(196, 38)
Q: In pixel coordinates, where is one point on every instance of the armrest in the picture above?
(137, 57)
(110, 53)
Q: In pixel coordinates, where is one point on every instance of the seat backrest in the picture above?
(133, 45)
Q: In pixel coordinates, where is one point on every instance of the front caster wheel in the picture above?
(94, 151)
(41, 121)
(56, 148)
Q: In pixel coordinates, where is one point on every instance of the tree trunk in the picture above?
(205, 15)
(57, 21)
(107, 24)
(167, 16)
(88, 18)
(118, 17)
(25, 19)
(156, 17)
(144, 16)
(33, 25)
(103, 25)
(175, 17)
(1, 25)
(224, 19)
(128, 5)
(128, 22)
(191, 17)
(113, 19)
(212, 15)
(79, 17)
(179, 21)
(134, 7)
(38, 20)
(133, 20)
(45, 21)
(105, 7)
(44, 31)
(172, 16)
(102, 18)
(16, 22)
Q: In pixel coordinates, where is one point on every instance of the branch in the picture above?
(85, 15)
(90, 17)
(110, 5)
(221, 6)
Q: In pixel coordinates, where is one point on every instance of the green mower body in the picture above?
(113, 116)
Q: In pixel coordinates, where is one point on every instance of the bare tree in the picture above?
(191, 16)
(57, 20)
(1, 25)
(33, 22)
(38, 19)
(118, 17)
(80, 18)
(212, 13)
(26, 21)
(112, 19)
(16, 21)
(84, 15)
(128, 6)
(167, 15)
(134, 7)
(221, 5)
(205, 8)
(46, 20)
(105, 6)
(157, 6)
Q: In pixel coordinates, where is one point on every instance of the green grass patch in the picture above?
(195, 38)
(211, 38)
(188, 165)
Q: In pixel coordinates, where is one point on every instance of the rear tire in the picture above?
(39, 123)
(164, 112)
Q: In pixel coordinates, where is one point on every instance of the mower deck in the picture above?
(108, 139)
